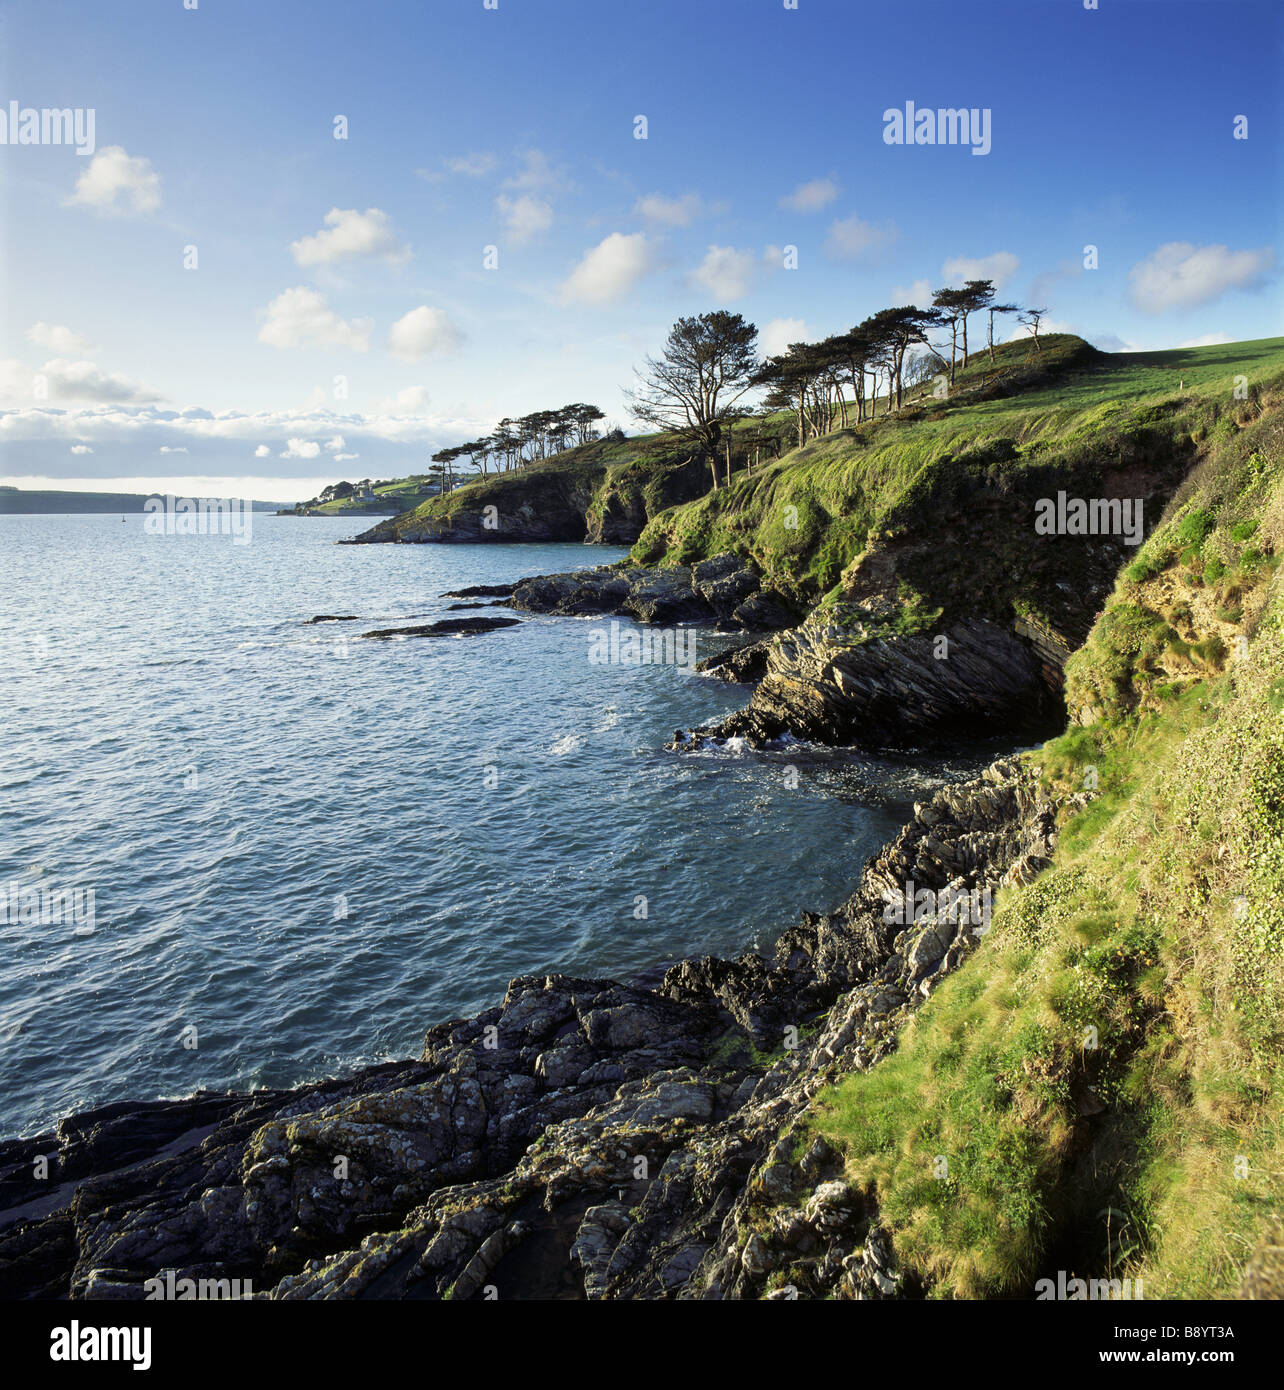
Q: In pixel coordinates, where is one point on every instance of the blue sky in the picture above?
(363, 259)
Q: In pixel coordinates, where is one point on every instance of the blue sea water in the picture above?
(305, 848)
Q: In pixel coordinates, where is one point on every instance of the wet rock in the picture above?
(446, 627)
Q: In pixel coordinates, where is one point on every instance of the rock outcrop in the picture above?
(723, 590)
(584, 1138)
(598, 493)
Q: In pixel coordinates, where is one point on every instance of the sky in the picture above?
(220, 297)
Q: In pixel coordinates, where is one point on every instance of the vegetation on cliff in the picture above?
(1098, 1089)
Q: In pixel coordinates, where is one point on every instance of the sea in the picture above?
(241, 849)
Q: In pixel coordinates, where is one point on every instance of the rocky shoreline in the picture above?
(583, 1138)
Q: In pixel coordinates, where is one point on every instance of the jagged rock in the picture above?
(714, 591)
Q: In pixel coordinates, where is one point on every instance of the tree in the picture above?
(1031, 318)
(951, 307)
(707, 365)
(998, 309)
(976, 295)
(894, 330)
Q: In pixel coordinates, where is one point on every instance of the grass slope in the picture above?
(1099, 1089)
(1013, 431)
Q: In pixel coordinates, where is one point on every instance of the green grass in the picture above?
(1011, 432)
(1142, 973)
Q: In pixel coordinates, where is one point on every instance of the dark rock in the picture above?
(714, 591)
(446, 627)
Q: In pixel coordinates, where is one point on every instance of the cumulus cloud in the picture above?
(850, 237)
(670, 212)
(1179, 275)
(301, 449)
(726, 273)
(1000, 267)
(335, 444)
(423, 331)
(525, 216)
(219, 441)
(776, 336)
(63, 379)
(411, 398)
(811, 197)
(349, 234)
(343, 458)
(59, 339)
(300, 317)
(609, 270)
(917, 292)
(118, 182)
(81, 449)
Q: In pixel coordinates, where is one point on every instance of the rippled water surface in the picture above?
(307, 847)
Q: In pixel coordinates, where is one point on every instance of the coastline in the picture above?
(527, 1107)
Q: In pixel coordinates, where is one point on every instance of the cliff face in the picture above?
(603, 493)
(583, 1138)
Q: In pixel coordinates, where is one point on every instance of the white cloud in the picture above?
(919, 292)
(473, 166)
(335, 445)
(63, 379)
(609, 270)
(670, 212)
(811, 197)
(285, 443)
(343, 458)
(411, 398)
(1206, 340)
(1179, 275)
(725, 272)
(59, 339)
(300, 317)
(524, 216)
(113, 174)
(850, 237)
(81, 449)
(301, 449)
(776, 336)
(536, 173)
(423, 331)
(172, 449)
(348, 234)
(1000, 267)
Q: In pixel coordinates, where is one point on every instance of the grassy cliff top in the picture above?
(1025, 425)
